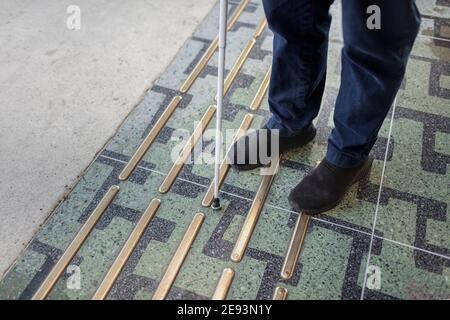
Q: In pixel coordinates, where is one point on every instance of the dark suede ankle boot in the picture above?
(245, 154)
(325, 186)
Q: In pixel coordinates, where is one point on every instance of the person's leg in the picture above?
(373, 66)
(300, 44)
(297, 83)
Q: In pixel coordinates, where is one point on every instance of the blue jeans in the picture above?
(373, 66)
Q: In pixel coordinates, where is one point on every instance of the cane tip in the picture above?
(216, 204)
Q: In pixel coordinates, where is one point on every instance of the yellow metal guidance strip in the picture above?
(75, 245)
(238, 65)
(211, 50)
(149, 139)
(200, 66)
(126, 251)
(295, 246)
(260, 28)
(231, 76)
(280, 293)
(252, 217)
(223, 286)
(187, 150)
(256, 103)
(225, 166)
(236, 14)
(179, 257)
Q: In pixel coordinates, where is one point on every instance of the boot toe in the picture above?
(326, 185)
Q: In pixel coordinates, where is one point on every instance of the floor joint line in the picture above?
(380, 190)
(288, 210)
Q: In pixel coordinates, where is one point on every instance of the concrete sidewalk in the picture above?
(63, 93)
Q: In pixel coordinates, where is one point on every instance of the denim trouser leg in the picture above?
(300, 46)
(373, 66)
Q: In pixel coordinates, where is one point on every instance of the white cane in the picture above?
(220, 78)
